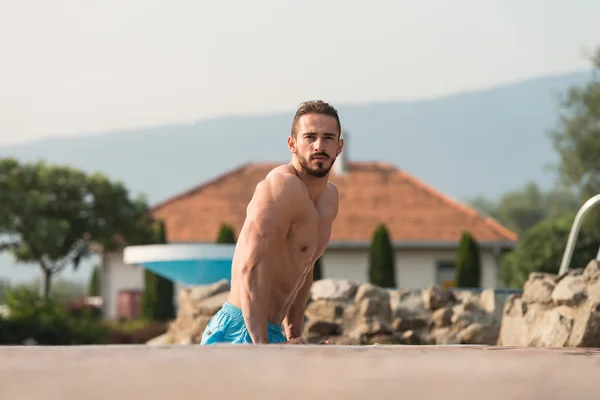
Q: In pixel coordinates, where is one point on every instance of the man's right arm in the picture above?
(263, 234)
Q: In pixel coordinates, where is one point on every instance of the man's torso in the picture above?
(304, 240)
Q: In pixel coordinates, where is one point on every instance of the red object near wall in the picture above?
(128, 304)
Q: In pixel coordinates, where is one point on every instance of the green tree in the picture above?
(94, 284)
(55, 215)
(157, 298)
(226, 235)
(382, 271)
(577, 136)
(317, 270)
(65, 290)
(4, 286)
(47, 321)
(541, 249)
(524, 207)
(468, 263)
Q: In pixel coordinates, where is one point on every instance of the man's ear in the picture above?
(340, 146)
(292, 144)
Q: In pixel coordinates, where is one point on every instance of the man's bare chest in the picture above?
(308, 235)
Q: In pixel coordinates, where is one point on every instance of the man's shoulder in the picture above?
(282, 174)
(332, 200)
(280, 182)
(332, 188)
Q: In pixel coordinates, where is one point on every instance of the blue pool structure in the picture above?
(188, 264)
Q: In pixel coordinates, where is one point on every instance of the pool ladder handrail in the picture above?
(568, 254)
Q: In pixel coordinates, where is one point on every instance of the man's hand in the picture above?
(297, 340)
(300, 340)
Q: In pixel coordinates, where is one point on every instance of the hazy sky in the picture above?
(77, 67)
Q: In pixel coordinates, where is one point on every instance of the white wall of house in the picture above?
(415, 269)
(117, 276)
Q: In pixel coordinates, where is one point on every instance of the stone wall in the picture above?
(555, 311)
(552, 311)
(349, 313)
(196, 307)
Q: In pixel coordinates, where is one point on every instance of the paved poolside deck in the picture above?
(298, 372)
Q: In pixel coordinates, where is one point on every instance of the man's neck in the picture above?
(315, 186)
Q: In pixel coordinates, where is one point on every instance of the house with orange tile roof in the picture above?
(424, 225)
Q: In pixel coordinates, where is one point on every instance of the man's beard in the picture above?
(320, 170)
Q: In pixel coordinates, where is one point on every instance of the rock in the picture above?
(383, 339)
(465, 318)
(463, 296)
(373, 302)
(408, 313)
(185, 303)
(443, 336)
(360, 315)
(322, 328)
(211, 305)
(442, 317)
(407, 303)
(201, 292)
(187, 329)
(410, 338)
(461, 315)
(406, 338)
(197, 305)
(327, 318)
(539, 288)
(570, 290)
(362, 328)
(332, 289)
(513, 331)
(325, 310)
(159, 340)
(492, 306)
(375, 327)
(591, 273)
(368, 290)
(436, 297)
(477, 333)
(401, 324)
(489, 303)
(593, 292)
(585, 327)
(345, 340)
(552, 330)
(407, 310)
(189, 297)
(570, 319)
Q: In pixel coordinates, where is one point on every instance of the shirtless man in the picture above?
(287, 228)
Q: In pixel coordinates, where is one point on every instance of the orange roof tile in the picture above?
(370, 193)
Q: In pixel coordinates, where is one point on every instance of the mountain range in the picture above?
(487, 141)
(481, 142)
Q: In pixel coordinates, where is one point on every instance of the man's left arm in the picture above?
(294, 320)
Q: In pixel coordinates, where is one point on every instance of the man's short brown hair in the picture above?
(316, 107)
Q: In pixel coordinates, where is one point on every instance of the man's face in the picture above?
(317, 143)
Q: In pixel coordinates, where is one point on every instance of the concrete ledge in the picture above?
(298, 372)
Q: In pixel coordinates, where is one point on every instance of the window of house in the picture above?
(445, 273)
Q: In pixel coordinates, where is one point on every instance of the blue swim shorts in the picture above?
(228, 326)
